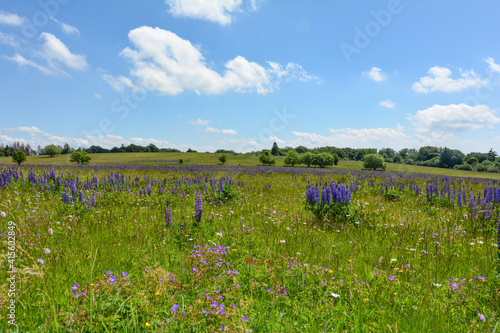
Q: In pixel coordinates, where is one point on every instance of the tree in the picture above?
(51, 150)
(223, 158)
(493, 154)
(19, 157)
(292, 158)
(472, 160)
(275, 150)
(66, 149)
(307, 159)
(374, 161)
(389, 152)
(336, 159)
(427, 153)
(322, 160)
(267, 159)
(80, 157)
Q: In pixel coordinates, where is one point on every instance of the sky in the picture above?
(242, 74)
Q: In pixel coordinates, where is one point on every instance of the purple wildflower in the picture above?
(175, 307)
(198, 208)
(112, 279)
(40, 261)
(124, 274)
(74, 289)
(3, 214)
(245, 319)
(482, 317)
(47, 250)
(168, 215)
(51, 232)
(392, 277)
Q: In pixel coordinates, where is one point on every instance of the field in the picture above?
(155, 246)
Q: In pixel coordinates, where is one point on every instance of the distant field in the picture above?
(169, 159)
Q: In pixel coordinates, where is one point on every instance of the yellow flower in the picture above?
(366, 299)
(330, 271)
(158, 293)
(395, 294)
(148, 324)
(400, 271)
(235, 249)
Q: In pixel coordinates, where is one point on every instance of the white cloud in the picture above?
(220, 131)
(440, 80)
(218, 11)
(349, 137)
(23, 62)
(97, 96)
(276, 139)
(40, 137)
(54, 49)
(453, 117)
(11, 19)
(165, 62)
(66, 28)
(387, 104)
(199, 121)
(436, 139)
(492, 65)
(119, 83)
(8, 40)
(376, 74)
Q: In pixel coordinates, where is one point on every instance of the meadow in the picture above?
(155, 246)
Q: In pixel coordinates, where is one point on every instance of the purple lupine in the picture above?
(198, 208)
(498, 232)
(168, 215)
(65, 197)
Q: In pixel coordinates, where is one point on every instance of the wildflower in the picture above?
(175, 307)
(112, 279)
(195, 268)
(124, 274)
(51, 232)
(46, 251)
(394, 260)
(245, 319)
(198, 208)
(335, 295)
(3, 214)
(74, 289)
(482, 317)
(436, 284)
(168, 215)
(40, 261)
(148, 324)
(392, 277)
(453, 285)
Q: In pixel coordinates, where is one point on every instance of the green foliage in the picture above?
(393, 195)
(465, 167)
(292, 158)
(275, 151)
(336, 159)
(51, 150)
(307, 159)
(80, 157)
(19, 157)
(267, 159)
(181, 160)
(223, 158)
(323, 159)
(426, 153)
(472, 160)
(374, 161)
(228, 194)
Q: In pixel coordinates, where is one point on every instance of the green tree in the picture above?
(472, 160)
(322, 160)
(80, 157)
(51, 150)
(336, 159)
(427, 152)
(374, 161)
(307, 159)
(292, 158)
(389, 152)
(275, 151)
(223, 158)
(19, 157)
(493, 154)
(267, 159)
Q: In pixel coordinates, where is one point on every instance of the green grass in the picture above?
(169, 159)
(404, 263)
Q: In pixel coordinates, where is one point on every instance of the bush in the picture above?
(480, 168)
(408, 161)
(472, 160)
(19, 157)
(307, 159)
(465, 167)
(374, 161)
(80, 157)
(322, 160)
(181, 160)
(292, 158)
(267, 159)
(493, 169)
(433, 162)
(335, 159)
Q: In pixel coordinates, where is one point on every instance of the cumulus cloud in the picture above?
(37, 136)
(376, 74)
(165, 62)
(275, 139)
(119, 83)
(218, 11)
(199, 121)
(387, 104)
(453, 117)
(439, 79)
(220, 131)
(11, 19)
(349, 137)
(492, 65)
(55, 51)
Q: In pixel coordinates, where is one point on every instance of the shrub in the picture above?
(336, 159)
(493, 169)
(292, 158)
(472, 160)
(223, 158)
(480, 168)
(267, 159)
(80, 157)
(19, 157)
(322, 160)
(374, 161)
(465, 167)
(307, 159)
(181, 160)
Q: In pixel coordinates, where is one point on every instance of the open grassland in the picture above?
(128, 249)
(172, 159)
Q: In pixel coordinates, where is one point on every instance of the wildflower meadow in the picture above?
(246, 249)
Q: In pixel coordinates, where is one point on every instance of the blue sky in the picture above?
(240, 74)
